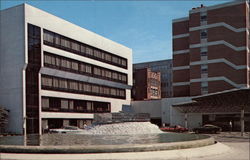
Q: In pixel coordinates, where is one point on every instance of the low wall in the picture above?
(107, 148)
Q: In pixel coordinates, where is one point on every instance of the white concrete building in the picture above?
(55, 73)
(162, 112)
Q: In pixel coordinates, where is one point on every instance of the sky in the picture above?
(144, 26)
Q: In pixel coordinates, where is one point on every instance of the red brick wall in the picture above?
(222, 69)
(180, 43)
(180, 60)
(222, 51)
(218, 86)
(194, 37)
(222, 33)
(195, 54)
(180, 27)
(195, 89)
(181, 76)
(181, 91)
(232, 15)
(194, 19)
(195, 71)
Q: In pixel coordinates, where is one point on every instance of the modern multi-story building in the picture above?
(165, 68)
(146, 84)
(55, 73)
(211, 49)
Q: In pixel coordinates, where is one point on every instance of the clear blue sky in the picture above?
(144, 26)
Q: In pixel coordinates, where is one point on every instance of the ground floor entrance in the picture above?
(223, 121)
(59, 123)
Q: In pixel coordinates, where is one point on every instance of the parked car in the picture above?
(208, 128)
(66, 129)
(175, 128)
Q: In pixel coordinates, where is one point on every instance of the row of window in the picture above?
(154, 92)
(66, 85)
(62, 63)
(70, 105)
(61, 42)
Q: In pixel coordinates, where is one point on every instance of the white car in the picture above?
(66, 129)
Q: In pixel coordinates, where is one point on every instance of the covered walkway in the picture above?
(235, 101)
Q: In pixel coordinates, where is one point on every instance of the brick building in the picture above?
(165, 68)
(146, 84)
(211, 49)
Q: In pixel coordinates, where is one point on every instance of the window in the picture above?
(45, 102)
(122, 93)
(204, 68)
(80, 86)
(114, 75)
(87, 87)
(108, 57)
(113, 91)
(62, 42)
(95, 89)
(58, 61)
(204, 87)
(73, 85)
(68, 64)
(97, 54)
(203, 33)
(203, 51)
(97, 71)
(64, 104)
(63, 84)
(124, 62)
(114, 59)
(203, 18)
(83, 49)
(57, 40)
(106, 90)
(75, 46)
(55, 82)
(47, 59)
(75, 66)
(48, 37)
(88, 69)
(89, 51)
(47, 81)
(65, 42)
(109, 74)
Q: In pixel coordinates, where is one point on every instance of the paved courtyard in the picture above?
(239, 146)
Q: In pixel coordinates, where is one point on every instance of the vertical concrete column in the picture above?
(186, 122)
(242, 125)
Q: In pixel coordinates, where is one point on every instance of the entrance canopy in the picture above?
(233, 100)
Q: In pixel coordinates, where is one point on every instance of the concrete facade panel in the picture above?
(12, 63)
